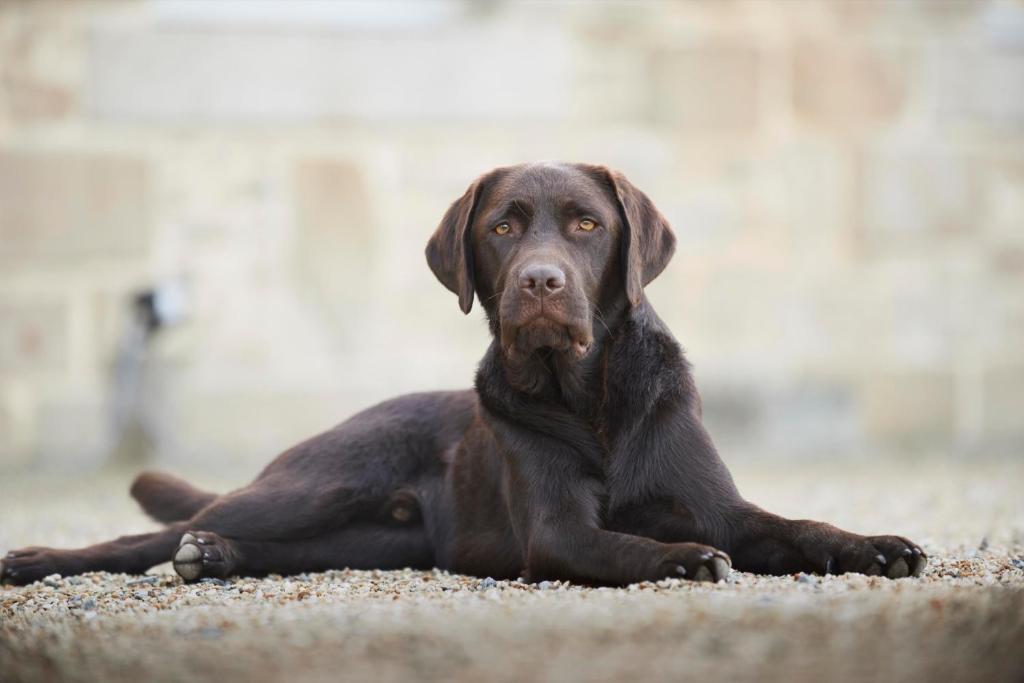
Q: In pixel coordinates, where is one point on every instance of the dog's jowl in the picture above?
(579, 454)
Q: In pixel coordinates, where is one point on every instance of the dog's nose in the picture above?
(542, 280)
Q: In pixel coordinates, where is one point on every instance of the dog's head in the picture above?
(546, 246)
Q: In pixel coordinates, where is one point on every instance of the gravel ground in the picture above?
(962, 621)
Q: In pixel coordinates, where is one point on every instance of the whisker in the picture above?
(600, 319)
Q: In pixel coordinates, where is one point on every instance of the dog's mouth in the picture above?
(545, 332)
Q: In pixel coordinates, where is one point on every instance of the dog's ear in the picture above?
(450, 249)
(647, 239)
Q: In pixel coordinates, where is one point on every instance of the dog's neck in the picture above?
(634, 362)
(556, 377)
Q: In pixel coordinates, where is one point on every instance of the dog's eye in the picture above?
(586, 225)
(502, 228)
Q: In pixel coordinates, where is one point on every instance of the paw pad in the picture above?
(187, 559)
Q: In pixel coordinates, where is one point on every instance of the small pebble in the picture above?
(210, 581)
(145, 579)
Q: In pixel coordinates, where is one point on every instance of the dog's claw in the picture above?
(681, 570)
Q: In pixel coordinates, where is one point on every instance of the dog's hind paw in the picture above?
(21, 567)
(201, 554)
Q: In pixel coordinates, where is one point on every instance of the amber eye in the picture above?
(586, 225)
(502, 228)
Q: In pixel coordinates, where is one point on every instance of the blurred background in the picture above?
(213, 214)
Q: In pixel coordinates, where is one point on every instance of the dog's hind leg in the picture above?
(281, 530)
(167, 498)
(260, 520)
(374, 469)
(203, 554)
(127, 554)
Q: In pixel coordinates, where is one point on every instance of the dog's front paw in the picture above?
(897, 557)
(695, 562)
(891, 556)
(21, 567)
(201, 554)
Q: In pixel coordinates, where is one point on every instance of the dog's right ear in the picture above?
(450, 249)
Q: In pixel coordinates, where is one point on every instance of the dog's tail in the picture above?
(168, 499)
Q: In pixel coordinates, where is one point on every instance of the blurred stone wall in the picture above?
(846, 180)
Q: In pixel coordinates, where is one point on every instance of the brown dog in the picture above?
(580, 455)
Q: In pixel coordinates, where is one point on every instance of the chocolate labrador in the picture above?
(580, 454)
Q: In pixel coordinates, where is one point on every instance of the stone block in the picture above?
(1003, 407)
(814, 417)
(34, 336)
(64, 205)
(980, 88)
(9, 451)
(706, 88)
(337, 237)
(908, 408)
(39, 61)
(17, 423)
(798, 417)
(1004, 201)
(74, 431)
(924, 192)
(217, 74)
(247, 426)
(842, 86)
(894, 21)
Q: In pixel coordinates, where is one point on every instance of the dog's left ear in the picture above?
(647, 239)
(450, 249)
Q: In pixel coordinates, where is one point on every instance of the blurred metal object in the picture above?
(152, 310)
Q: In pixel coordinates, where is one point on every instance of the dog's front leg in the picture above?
(768, 544)
(691, 496)
(555, 511)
